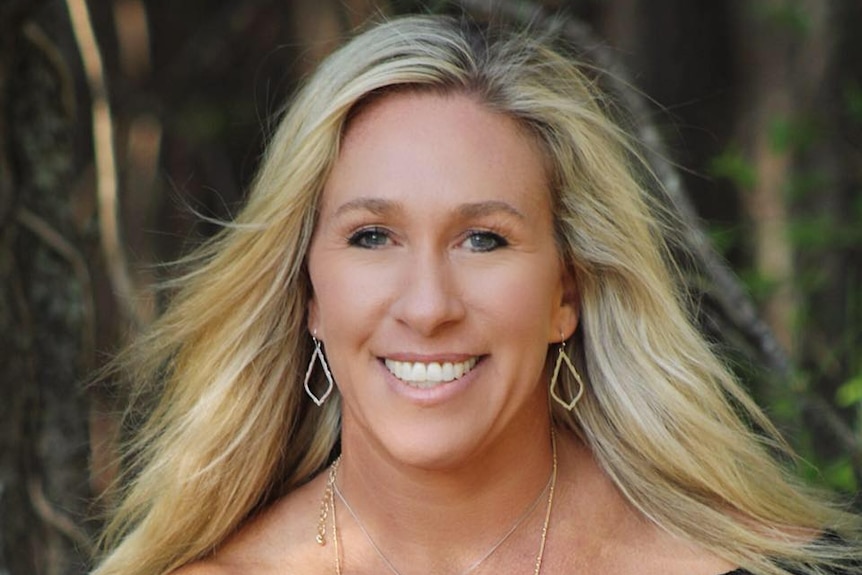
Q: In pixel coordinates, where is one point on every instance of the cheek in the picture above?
(346, 295)
(526, 302)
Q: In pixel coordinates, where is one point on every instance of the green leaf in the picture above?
(850, 393)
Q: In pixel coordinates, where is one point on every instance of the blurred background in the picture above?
(127, 126)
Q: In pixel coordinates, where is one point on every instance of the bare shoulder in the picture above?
(610, 534)
(281, 539)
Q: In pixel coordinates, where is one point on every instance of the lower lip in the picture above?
(430, 396)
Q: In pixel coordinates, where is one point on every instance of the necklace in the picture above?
(327, 503)
(331, 490)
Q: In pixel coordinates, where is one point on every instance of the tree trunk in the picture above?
(767, 65)
(45, 308)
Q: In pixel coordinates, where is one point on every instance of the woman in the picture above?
(448, 229)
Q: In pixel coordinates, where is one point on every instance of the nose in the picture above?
(429, 297)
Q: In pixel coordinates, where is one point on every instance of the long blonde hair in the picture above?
(222, 426)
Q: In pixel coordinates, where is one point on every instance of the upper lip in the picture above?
(415, 357)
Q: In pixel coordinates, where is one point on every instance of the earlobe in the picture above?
(570, 307)
(566, 320)
(312, 317)
(569, 318)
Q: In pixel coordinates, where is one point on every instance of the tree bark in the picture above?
(45, 309)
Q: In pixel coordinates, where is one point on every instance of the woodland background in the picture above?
(120, 118)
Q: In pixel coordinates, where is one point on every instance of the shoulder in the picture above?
(281, 539)
(612, 535)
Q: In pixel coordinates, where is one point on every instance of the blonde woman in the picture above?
(444, 337)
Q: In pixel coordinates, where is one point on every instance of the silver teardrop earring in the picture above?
(317, 354)
(562, 357)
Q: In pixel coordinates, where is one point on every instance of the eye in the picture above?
(369, 238)
(484, 241)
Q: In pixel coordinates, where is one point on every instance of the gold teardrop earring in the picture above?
(317, 355)
(562, 357)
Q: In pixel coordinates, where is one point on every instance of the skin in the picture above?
(434, 244)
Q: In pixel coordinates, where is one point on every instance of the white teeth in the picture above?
(434, 372)
(418, 373)
(429, 374)
(447, 372)
(458, 370)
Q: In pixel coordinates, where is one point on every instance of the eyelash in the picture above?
(376, 237)
(360, 237)
(499, 241)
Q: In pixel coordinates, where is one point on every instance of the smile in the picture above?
(429, 374)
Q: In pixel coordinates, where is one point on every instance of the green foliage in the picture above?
(806, 184)
(759, 285)
(723, 237)
(830, 471)
(789, 15)
(784, 408)
(850, 393)
(838, 475)
(822, 232)
(821, 236)
(792, 134)
(733, 165)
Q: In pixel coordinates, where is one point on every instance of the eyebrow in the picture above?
(379, 206)
(478, 209)
(376, 206)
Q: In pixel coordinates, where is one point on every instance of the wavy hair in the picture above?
(223, 426)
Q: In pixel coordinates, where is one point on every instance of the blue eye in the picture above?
(485, 241)
(369, 238)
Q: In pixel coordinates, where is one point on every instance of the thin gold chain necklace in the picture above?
(331, 490)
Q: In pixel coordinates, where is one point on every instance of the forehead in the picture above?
(417, 144)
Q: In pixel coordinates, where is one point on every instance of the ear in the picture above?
(313, 318)
(568, 314)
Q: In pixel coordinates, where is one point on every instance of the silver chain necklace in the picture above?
(332, 490)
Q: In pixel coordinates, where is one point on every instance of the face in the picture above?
(437, 284)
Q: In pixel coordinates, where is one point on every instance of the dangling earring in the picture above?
(318, 355)
(563, 357)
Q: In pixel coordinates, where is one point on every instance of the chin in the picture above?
(434, 448)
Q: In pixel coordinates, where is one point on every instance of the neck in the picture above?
(445, 518)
